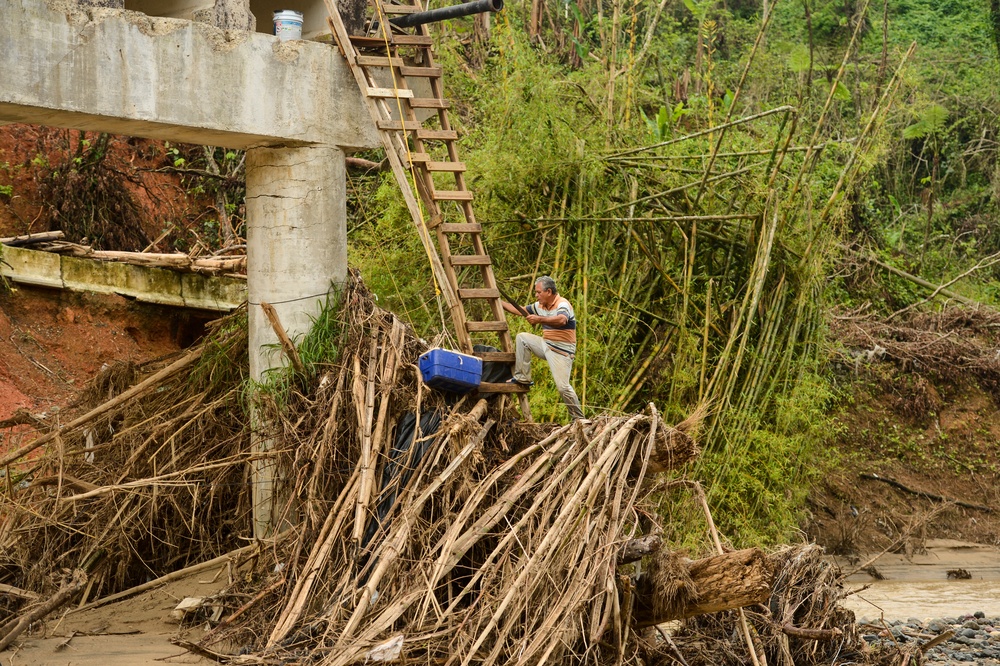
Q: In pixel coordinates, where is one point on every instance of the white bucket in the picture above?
(288, 24)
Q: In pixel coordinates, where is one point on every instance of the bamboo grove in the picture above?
(693, 240)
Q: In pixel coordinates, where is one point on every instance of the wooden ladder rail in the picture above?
(393, 133)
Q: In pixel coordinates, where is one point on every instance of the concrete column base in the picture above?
(296, 254)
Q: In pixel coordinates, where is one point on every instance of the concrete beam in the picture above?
(123, 72)
(143, 283)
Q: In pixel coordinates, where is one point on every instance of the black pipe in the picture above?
(445, 13)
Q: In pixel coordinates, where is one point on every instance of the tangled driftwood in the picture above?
(468, 537)
(955, 344)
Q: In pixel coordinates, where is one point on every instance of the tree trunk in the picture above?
(234, 15)
(723, 582)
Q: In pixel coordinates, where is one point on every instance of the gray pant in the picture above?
(561, 367)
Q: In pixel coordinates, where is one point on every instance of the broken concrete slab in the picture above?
(143, 283)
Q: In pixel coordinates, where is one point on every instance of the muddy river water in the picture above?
(919, 586)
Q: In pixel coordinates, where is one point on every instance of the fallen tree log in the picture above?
(924, 494)
(722, 582)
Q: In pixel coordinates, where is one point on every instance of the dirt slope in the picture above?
(947, 449)
(52, 342)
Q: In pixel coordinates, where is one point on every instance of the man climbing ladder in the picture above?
(557, 345)
(423, 156)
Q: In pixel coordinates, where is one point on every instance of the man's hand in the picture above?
(534, 319)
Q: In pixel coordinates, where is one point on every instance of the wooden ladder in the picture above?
(423, 155)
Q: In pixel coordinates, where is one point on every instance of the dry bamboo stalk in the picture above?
(388, 382)
(326, 437)
(583, 572)
(401, 529)
(12, 591)
(458, 539)
(550, 538)
(325, 542)
(367, 452)
(703, 501)
(66, 480)
(190, 418)
(353, 653)
(136, 390)
(286, 343)
(162, 478)
(710, 130)
(498, 511)
(28, 239)
(812, 634)
(172, 260)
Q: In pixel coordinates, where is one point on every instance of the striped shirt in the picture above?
(562, 339)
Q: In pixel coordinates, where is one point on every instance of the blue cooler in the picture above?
(450, 371)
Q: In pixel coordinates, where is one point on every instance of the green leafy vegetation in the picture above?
(703, 263)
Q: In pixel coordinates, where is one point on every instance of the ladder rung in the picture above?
(462, 228)
(438, 135)
(429, 103)
(482, 326)
(413, 40)
(417, 158)
(400, 9)
(427, 72)
(468, 294)
(503, 388)
(394, 40)
(408, 125)
(390, 93)
(379, 61)
(470, 260)
(451, 195)
(445, 166)
(495, 357)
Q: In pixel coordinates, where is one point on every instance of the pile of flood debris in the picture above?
(412, 525)
(953, 344)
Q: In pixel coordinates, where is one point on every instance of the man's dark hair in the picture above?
(548, 284)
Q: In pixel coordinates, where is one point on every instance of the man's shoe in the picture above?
(514, 381)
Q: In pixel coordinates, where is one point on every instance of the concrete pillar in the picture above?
(296, 208)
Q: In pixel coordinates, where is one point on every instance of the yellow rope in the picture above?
(383, 22)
